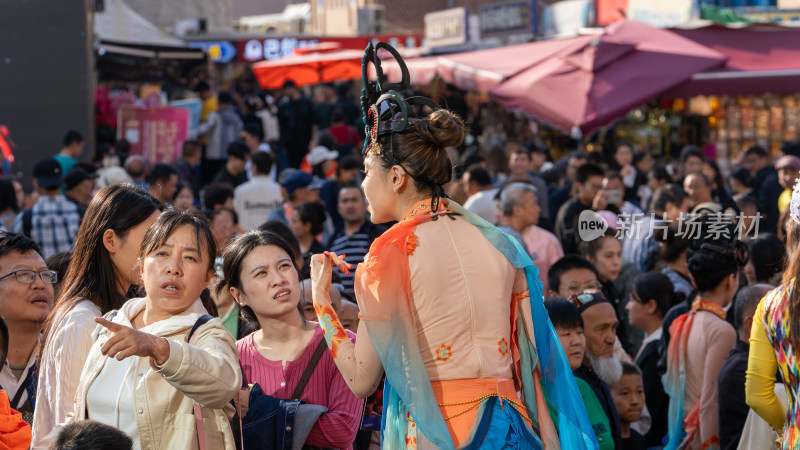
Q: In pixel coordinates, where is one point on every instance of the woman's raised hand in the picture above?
(126, 341)
(321, 267)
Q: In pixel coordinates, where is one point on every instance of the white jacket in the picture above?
(60, 368)
(207, 373)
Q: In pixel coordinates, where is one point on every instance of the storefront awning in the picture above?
(761, 59)
(119, 23)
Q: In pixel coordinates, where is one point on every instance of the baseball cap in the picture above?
(114, 175)
(788, 162)
(48, 173)
(320, 154)
(76, 176)
(299, 180)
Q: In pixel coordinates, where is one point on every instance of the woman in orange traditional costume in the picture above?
(452, 307)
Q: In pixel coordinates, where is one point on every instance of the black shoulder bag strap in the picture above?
(202, 320)
(23, 389)
(312, 364)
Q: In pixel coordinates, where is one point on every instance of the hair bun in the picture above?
(443, 128)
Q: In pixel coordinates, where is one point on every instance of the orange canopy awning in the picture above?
(313, 68)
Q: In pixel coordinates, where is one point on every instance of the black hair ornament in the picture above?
(738, 250)
(386, 112)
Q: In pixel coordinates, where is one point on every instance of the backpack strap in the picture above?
(202, 320)
(198, 411)
(312, 364)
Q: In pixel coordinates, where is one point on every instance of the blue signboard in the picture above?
(508, 18)
(218, 52)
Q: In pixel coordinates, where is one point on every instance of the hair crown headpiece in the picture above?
(383, 107)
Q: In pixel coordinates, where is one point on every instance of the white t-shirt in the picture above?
(255, 200)
(483, 204)
(111, 397)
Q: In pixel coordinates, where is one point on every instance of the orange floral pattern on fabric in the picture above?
(502, 346)
(331, 327)
(712, 443)
(411, 244)
(411, 433)
(444, 353)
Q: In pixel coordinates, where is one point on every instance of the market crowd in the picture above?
(655, 322)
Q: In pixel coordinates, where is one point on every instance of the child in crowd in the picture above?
(628, 394)
(91, 435)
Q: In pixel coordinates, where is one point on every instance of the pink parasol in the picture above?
(588, 85)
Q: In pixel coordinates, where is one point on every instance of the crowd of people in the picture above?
(176, 305)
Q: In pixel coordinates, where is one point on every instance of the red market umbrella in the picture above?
(421, 70)
(482, 70)
(312, 68)
(587, 86)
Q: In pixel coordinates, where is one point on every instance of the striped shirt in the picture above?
(355, 248)
(335, 429)
(54, 224)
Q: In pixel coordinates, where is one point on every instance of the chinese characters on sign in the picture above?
(157, 134)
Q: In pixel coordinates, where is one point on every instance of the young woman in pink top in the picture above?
(262, 277)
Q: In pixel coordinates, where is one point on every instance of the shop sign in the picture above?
(508, 18)
(567, 17)
(218, 51)
(255, 50)
(195, 107)
(157, 134)
(769, 14)
(660, 13)
(446, 27)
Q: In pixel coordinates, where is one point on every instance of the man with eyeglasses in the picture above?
(26, 297)
(572, 275)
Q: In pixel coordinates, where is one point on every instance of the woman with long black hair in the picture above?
(101, 271)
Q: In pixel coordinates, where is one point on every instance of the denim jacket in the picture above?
(278, 424)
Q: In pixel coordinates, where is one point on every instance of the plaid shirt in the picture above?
(54, 224)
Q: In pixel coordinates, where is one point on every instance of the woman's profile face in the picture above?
(608, 259)
(175, 274)
(299, 228)
(185, 199)
(270, 283)
(379, 191)
(124, 259)
(222, 227)
(623, 155)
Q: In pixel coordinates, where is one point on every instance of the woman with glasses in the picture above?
(101, 271)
